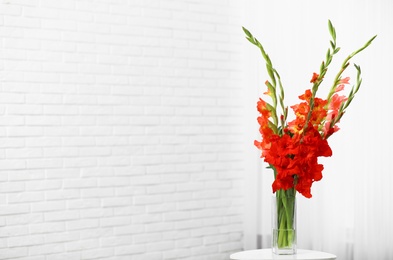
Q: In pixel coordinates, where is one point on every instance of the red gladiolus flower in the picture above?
(345, 80)
(294, 154)
(262, 108)
(314, 77)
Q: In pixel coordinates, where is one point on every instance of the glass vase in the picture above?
(284, 222)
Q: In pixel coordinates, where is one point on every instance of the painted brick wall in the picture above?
(120, 129)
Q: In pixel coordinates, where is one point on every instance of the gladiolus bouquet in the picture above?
(292, 148)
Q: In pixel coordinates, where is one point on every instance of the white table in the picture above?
(267, 254)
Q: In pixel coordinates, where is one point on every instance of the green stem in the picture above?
(344, 66)
(272, 86)
(285, 203)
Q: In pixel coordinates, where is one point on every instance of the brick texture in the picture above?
(120, 129)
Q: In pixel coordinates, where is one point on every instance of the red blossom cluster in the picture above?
(294, 150)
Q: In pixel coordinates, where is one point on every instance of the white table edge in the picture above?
(267, 254)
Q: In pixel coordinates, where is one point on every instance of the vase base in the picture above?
(284, 241)
(284, 251)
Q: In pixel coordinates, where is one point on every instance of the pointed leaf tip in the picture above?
(247, 32)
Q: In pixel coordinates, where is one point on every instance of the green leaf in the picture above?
(269, 107)
(332, 30)
(364, 47)
(250, 40)
(273, 127)
(322, 67)
(328, 56)
(333, 45)
(271, 73)
(247, 32)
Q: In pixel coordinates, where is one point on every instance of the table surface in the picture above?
(267, 254)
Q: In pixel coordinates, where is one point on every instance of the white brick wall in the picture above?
(120, 129)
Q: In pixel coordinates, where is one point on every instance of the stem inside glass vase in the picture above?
(284, 222)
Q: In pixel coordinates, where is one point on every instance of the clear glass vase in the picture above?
(284, 222)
